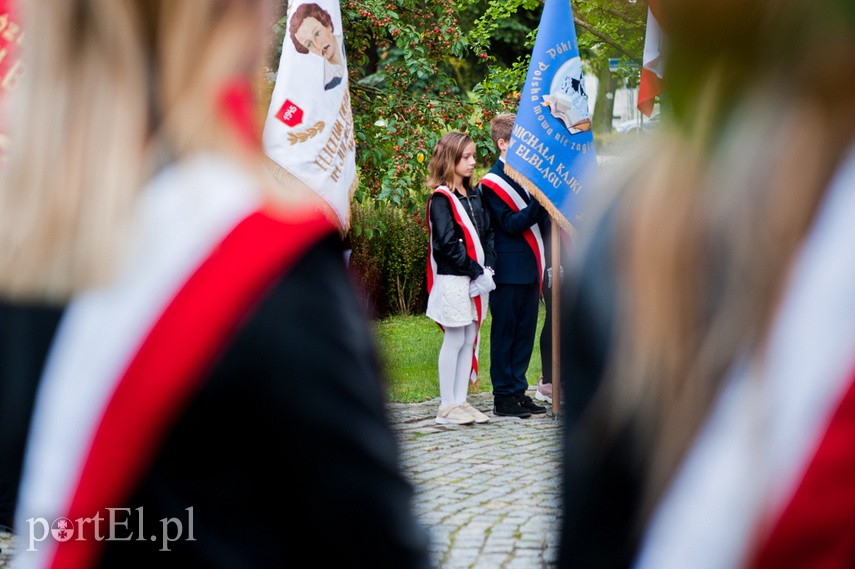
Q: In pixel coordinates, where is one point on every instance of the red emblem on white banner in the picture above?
(290, 113)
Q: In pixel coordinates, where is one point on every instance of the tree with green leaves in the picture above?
(420, 69)
(610, 29)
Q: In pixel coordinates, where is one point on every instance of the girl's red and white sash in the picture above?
(516, 202)
(127, 358)
(474, 250)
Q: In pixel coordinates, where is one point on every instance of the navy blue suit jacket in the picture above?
(515, 260)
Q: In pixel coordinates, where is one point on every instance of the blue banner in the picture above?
(551, 150)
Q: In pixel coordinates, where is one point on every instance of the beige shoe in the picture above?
(453, 415)
(476, 414)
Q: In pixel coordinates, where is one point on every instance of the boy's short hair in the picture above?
(501, 127)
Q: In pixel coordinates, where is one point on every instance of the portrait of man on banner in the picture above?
(308, 133)
(312, 31)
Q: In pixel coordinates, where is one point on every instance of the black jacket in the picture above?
(449, 248)
(285, 446)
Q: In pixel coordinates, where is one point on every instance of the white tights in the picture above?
(455, 363)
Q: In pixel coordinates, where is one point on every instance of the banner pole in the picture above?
(555, 239)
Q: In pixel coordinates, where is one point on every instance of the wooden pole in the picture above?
(555, 239)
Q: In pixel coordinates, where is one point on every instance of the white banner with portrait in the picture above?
(308, 131)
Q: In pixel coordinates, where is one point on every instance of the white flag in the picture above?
(308, 132)
(653, 71)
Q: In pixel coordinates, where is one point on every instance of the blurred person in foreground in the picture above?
(708, 335)
(188, 377)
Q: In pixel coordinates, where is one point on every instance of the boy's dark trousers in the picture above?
(513, 308)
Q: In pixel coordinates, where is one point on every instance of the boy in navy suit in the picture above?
(519, 275)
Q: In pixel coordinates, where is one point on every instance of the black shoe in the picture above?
(509, 407)
(529, 405)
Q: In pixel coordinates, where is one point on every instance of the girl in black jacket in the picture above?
(460, 274)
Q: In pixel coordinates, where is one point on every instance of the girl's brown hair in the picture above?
(446, 155)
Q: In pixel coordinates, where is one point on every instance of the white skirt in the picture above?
(449, 303)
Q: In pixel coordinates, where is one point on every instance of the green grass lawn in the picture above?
(409, 349)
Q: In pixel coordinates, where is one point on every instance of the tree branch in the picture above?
(606, 39)
(611, 11)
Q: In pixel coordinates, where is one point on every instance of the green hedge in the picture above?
(389, 258)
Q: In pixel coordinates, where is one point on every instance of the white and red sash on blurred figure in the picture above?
(127, 358)
(770, 480)
(475, 251)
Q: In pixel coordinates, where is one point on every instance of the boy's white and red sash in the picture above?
(475, 251)
(770, 480)
(126, 359)
(514, 200)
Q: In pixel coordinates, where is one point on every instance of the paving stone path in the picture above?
(488, 493)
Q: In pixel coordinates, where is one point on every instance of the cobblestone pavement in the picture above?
(488, 493)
